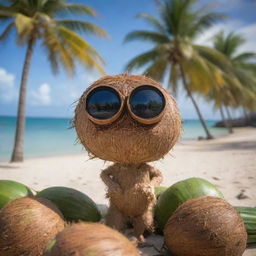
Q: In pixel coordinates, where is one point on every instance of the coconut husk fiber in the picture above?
(136, 184)
(126, 140)
(91, 239)
(27, 225)
(205, 226)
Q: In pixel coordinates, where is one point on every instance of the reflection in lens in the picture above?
(103, 103)
(147, 102)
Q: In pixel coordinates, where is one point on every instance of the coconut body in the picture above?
(91, 239)
(129, 142)
(126, 140)
(27, 225)
(205, 226)
(131, 195)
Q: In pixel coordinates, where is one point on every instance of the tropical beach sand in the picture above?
(228, 162)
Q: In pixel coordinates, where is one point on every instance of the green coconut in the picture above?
(73, 204)
(159, 190)
(10, 190)
(179, 193)
(248, 215)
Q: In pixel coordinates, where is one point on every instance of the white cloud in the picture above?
(41, 96)
(247, 31)
(7, 90)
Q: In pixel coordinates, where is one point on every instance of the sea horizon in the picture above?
(51, 136)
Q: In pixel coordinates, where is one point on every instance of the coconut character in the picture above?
(129, 120)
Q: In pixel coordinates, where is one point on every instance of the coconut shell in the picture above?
(179, 193)
(92, 239)
(126, 140)
(205, 226)
(10, 190)
(27, 225)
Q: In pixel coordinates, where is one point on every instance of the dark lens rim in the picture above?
(153, 119)
(108, 120)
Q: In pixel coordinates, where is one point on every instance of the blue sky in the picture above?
(52, 96)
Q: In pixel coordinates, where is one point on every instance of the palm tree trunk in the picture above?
(227, 124)
(208, 134)
(229, 119)
(246, 116)
(222, 115)
(17, 154)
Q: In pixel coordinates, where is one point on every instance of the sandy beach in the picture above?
(228, 162)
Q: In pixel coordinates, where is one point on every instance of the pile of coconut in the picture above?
(192, 216)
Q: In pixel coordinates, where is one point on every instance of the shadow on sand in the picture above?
(244, 145)
(5, 166)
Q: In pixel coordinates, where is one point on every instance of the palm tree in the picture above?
(40, 20)
(175, 54)
(244, 68)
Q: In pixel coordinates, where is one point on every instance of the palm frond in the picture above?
(86, 59)
(250, 66)
(152, 21)
(24, 26)
(157, 70)
(75, 42)
(244, 57)
(143, 59)
(150, 36)
(199, 74)
(69, 35)
(246, 78)
(57, 52)
(215, 57)
(82, 27)
(177, 16)
(6, 31)
(228, 44)
(5, 14)
(204, 22)
(77, 9)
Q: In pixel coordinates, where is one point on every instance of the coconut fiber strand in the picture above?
(91, 239)
(205, 226)
(126, 140)
(27, 225)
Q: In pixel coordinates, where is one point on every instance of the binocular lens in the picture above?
(103, 103)
(147, 102)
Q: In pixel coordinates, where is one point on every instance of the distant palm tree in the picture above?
(175, 53)
(40, 20)
(244, 68)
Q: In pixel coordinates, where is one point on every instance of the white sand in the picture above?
(228, 162)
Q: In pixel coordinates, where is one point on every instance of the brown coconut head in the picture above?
(205, 226)
(27, 225)
(126, 140)
(91, 239)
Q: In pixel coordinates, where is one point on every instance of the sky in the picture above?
(54, 96)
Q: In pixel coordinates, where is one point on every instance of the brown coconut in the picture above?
(91, 239)
(27, 225)
(126, 140)
(205, 226)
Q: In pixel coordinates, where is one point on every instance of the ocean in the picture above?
(53, 136)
